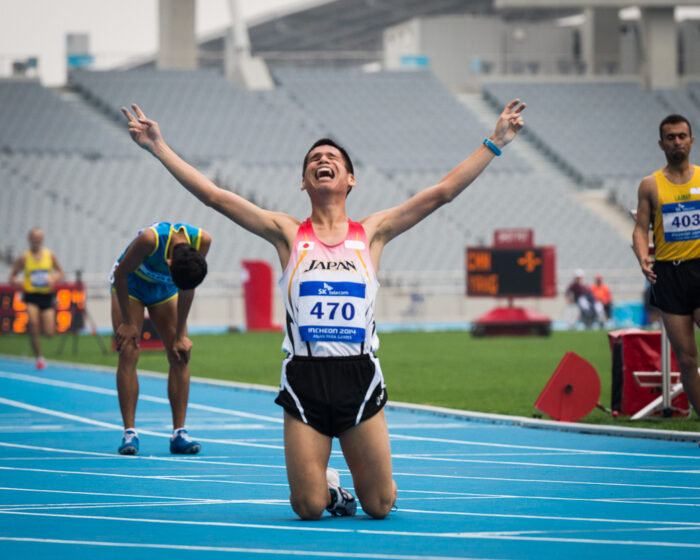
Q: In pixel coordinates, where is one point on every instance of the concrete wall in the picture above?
(461, 50)
(690, 48)
(177, 42)
(540, 48)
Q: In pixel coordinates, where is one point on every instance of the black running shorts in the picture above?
(677, 288)
(42, 301)
(332, 394)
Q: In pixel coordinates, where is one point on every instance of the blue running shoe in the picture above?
(130, 443)
(342, 502)
(181, 444)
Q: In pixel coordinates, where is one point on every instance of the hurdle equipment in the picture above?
(572, 391)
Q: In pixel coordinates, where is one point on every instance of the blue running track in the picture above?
(467, 489)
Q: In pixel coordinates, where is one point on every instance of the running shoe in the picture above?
(181, 444)
(342, 502)
(130, 443)
(40, 363)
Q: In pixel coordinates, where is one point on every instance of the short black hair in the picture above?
(188, 267)
(674, 119)
(329, 142)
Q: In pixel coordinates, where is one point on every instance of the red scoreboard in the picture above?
(493, 272)
(512, 267)
(70, 303)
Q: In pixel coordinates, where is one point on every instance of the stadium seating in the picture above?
(598, 131)
(205, 116)
(99, 205)
(403, 130)
(36, 120)
(391, 120)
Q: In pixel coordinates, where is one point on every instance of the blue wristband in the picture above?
(491, 146)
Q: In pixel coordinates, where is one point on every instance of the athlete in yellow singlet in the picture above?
(42, 272)
(670, 200)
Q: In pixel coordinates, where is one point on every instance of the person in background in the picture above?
(579, 293)
(601, 292)
(41, 271)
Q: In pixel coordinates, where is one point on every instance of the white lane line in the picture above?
(665, 498)
(556, 518)
(261, 551)
(113, 392)
(92, 422)
(317, 529)
(618, 530)
(427, 425)
(622, 500)
(396, 473)
(535, 447)
(646, 544)
(52, 458)
(549, 481)
(78, 505)
(547, 465)
(173, 478)
(403, 494)
(457, 456)
(106, 494)
(129, 505)
(96, 454)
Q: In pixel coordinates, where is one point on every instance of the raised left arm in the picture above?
(384, 226)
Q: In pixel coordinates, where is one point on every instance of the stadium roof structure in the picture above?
(355, 27)
(594, 3)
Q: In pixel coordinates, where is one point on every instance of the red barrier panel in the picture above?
(257, 291)
(636, 370)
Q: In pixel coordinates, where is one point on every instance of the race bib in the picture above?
(681, 221)
(332, 311)
(39, 278)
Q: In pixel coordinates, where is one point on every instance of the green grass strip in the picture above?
(502, 375)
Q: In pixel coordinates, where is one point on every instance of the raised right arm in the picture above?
(275, 227)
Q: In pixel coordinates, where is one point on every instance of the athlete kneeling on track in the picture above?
(332, 385)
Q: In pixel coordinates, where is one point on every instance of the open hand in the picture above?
(126, 334)
(144, 131)
(509, 123)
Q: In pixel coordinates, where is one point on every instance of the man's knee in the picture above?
(129, 354)
(379, 507)
(178, 367)
(688, 363)
(309, 508)
(689, 369)
(378, 504)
